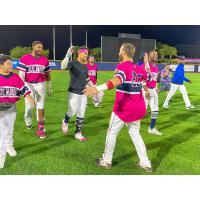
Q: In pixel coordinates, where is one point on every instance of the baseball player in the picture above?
(92, 73)
(152, 71)
(34, 70)
(78, 80)
(165, 79)
(11, 89)
(177, 82)
(129, 107)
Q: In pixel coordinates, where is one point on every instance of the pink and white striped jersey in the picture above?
(12, 88)
(152, 78)
(92, 73)
(129, 103)
(34, 68)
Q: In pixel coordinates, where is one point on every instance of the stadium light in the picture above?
(54, 43)
(86, 38)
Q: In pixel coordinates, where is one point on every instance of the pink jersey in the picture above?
(129, 103)
(92, 73)
(12, 88)
(34, 68)
(152, 78)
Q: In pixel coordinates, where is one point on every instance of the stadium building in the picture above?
(110, 46)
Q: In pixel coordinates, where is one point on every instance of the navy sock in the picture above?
(154, 115)
(153, 123)
(79, 124)
(67, 118)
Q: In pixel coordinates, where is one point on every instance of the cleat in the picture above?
(64, 127)
(146, 168)
(96, 105)
(29, 127)
(190, 107)
(11, 151)
(166, 107)
(28, 124)
(100, 162)
(2, 161)
(41, 134)
(154, 131)
(80, 137)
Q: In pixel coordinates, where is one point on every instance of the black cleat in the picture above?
(29, 127)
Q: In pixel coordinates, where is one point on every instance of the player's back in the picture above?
(129, 103)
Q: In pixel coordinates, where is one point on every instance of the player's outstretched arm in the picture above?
(109, 85)
(65, 61)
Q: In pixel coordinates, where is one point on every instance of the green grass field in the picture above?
(176, 152)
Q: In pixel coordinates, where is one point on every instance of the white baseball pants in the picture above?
(38, 92)
(182, 89)
(7, 121)
(76, 105)
(116, 124)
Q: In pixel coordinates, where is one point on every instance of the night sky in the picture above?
(12, 36)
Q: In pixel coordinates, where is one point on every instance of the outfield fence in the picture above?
(108, 66)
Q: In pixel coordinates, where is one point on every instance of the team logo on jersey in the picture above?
(36, 68)
(8, 92)
(136, 80)
(92, 72)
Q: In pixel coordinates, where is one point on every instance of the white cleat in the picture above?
(100, 162)
(11, 151)
(80, 137)
(28, 124)
(96, 105)
(64, 127)
(154, 131)
(190, 107)
(166, 107)
(2, 161)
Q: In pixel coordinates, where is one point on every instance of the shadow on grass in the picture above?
(166, 145)
(41, 147)
(179, 118)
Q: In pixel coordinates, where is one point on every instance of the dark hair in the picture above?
(4, 58)
(36, 42)
(91, 56)
(152, 51)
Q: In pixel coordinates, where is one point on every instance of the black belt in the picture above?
(151, 87)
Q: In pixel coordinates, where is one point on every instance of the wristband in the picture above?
(102, 87)
(110, 85)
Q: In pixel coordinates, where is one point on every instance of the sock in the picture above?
(154, 116)
(67, 118)
(41, 125)
(79, 124)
